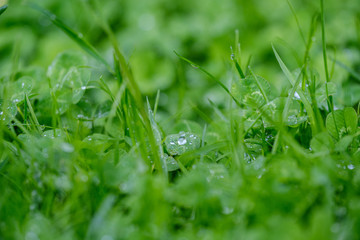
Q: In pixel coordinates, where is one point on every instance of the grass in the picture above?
(86, 154)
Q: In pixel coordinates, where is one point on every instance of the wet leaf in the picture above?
(8, 111)
(341, 122)
(68, 77)
(177, 144)
(247, 90)
(21, 87)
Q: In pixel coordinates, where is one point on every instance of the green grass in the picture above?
(88, 152)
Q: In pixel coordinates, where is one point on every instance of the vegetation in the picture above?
(108, 133)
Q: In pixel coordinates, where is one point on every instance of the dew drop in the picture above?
(350, 166)
(182, 140)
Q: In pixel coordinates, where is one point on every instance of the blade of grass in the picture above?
(210, 76)
(323, 38)
(33, 117)
(303, 98)
(348, 69)
(158, 137)
(234, 57)
(259, 85)
(3, 9)
(75, 36)
(156, 102)
(310, 41)
(297, 21)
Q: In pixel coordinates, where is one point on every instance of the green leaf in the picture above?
(177, 144)
(171, 163)
(251, 90)
(275, 108)
(320, 93)
(55, 133)
(21, 87)
(303, 98)
(68, 78)
(341, 122)
(7, 111)
(322, 142)
(98, 142)
(351, 120)
(343, 143)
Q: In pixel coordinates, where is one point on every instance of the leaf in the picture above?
(177, 144)
(55, 133)
(351, 119)
(7, 111)
(303, 98)
(341, 122)
(322, 142)
(21, 87)
(68, 78)
(275, 108)
(247, 91)
(343, 143)
(98, 142)
(320, 93)
(171, 163)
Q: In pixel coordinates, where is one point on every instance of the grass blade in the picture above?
(75, 36)
(348, 69)
(3, 9)
(323, 37)
(209, 75)
(303, 98)
(259, 85)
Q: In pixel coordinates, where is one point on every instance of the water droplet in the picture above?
(350, 166)
(182, 140)
(83, 87)
(296, 95)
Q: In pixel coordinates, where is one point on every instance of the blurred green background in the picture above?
(149, 31)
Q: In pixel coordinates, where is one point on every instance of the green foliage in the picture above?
(219, 152)
(342, 122)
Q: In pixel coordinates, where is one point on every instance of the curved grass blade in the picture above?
(348, 69)
(297, 21)
(259, 86)
(75, 36)
(307, 105)
(3, 9)
(158, 138)
(209, 75)
(323, 38)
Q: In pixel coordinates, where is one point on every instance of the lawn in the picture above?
(138, 119)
